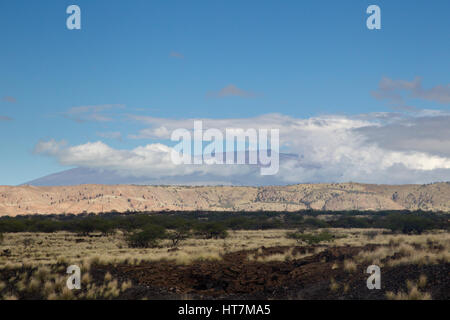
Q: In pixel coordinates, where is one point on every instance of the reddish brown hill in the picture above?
(104, 198)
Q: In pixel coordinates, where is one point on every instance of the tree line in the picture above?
(403, 221)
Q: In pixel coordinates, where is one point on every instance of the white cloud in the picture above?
(152, 160)
(390, 148)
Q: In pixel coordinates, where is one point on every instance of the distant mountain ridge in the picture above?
(77, 176)
(332, 197)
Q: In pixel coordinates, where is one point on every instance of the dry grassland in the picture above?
(37, 261)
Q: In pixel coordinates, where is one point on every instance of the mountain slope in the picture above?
(104, 198)
(79, 176)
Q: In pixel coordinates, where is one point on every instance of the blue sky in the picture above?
(171, 59)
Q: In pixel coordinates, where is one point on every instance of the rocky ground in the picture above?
(248, 265)
(310, 278)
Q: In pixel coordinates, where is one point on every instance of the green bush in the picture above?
(350, 222)
(84, 226)
(211, 230)
(408, 223)
(12, 225)
(106, 227)
(310, 238)
(315, 223)
(180, 233)
(215, 224)
(147, 238)
(46, 226)
(371, 234)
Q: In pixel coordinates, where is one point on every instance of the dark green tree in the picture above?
(211, 230)
(149, 237)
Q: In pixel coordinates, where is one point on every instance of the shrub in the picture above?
(211, 230)
(349, 265)
(310, 238)
(315, 223)
(46, 226)
(180, 233)
(351, 222)
(27, 242)
(334, 286)
(104, 226)
(371, 234)
(408, 223)
(147, 238)
(85, 226)
(12, 225)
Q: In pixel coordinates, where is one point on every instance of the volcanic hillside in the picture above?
(105, 198)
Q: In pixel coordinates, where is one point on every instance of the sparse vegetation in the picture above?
(179, 234)
(334, 286)
(35, 251)
(414, 291)
(212, 230)
(311, 238)
(147, 238)
(349, 266)
(409, 224)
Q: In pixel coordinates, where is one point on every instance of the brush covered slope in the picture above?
(332, 197)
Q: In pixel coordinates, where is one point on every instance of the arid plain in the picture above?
(173, 242)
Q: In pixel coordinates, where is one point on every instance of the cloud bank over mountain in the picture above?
(390, 148)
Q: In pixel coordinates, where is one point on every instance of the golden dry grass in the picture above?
(414, 249)
(68, 248)
(334, 286)
(414, 291)
(51, 284)
(349, 266)
(48, 255)
(39, 249)
(287, 255)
